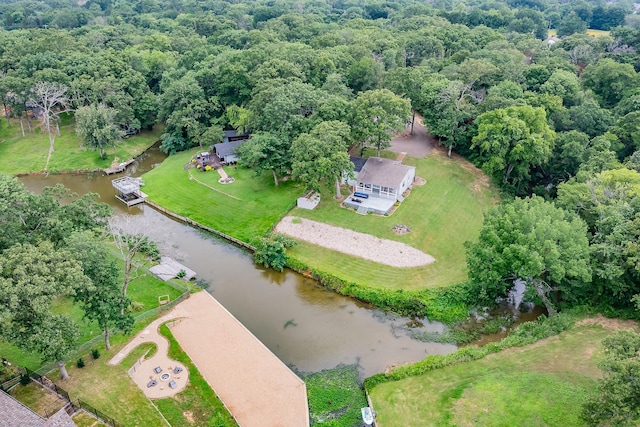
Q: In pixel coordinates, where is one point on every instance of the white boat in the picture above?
(367, 415)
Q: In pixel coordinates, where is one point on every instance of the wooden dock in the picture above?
(119, 168)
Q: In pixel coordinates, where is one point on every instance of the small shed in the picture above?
(309, 200)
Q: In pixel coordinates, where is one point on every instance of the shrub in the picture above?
(95, 354)
(25, 379)
(181, 274)
(80, 363)
(270, 253)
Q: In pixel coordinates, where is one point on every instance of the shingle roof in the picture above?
(14, 413)
(383, 172)
(358, 163)
(225, 149)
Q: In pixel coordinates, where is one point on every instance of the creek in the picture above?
(307, 326)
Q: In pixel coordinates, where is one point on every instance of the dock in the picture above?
(119, 168)
(170, 268)
(128, 190)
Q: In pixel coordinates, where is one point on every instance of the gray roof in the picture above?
(383, 172)
(225, 149)
(358, 163)
(14, 413)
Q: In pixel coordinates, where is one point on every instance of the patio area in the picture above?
(379, 205)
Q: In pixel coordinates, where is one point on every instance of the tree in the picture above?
(266, 152)
(103, 302)
(131, 240)
(321, 155)
(31, 277)
(512, 140)
(95, 125)
(610, 80)
(51, 98)
(446, 106)
(534, 241)
(571, 24)
(616, 401)
(376, 116)
(271, 251)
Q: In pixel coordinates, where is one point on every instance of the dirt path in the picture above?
(143, 373)
(420, 144)
(367, 246)
(257, 388)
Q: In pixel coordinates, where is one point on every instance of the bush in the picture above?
(270, 253)
(95, 354)
(80, 363)
(181, 274)
(25, 379)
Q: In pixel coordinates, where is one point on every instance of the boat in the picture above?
(367, 415)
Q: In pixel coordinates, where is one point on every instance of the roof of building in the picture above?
(358, 163)
(225, 149)
(14, 413)
(383, 172)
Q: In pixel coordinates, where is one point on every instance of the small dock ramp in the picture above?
(170, 268)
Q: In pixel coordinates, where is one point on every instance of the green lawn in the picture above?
(109, 388)
(250, 207)
(536, 385)
(20, 154)
(442, 214)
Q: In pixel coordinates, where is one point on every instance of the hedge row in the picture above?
(448, 304)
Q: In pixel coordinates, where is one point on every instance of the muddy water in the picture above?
(302, 323)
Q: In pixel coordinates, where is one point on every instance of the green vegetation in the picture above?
(146, 349)
(442, 215)
(69, 154)
(335, 396)
(38, 399)
(247, 208)
(197, 404)
(530, 383)
(110, 389)
(82, 419)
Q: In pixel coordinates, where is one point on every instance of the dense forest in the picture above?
(554, 121)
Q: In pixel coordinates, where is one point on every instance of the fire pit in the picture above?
(165, 376)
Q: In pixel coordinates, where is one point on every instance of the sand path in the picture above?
(367, 246)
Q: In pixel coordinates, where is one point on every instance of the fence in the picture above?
(70, 407)
(10, 383)
(162, 308)
(99, 414)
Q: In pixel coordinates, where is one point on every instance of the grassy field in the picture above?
(594, 33)
(247, 208)
(110, 389)
(442, 214)
(23, 154)
(537, 385)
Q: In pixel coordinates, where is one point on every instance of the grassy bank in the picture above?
(23, 154)
(544, 383)
(442, 215)
(247, 208)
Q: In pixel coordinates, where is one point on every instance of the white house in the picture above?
(385, 178)
(379, 183)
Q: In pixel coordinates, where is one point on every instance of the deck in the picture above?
(119, 168)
